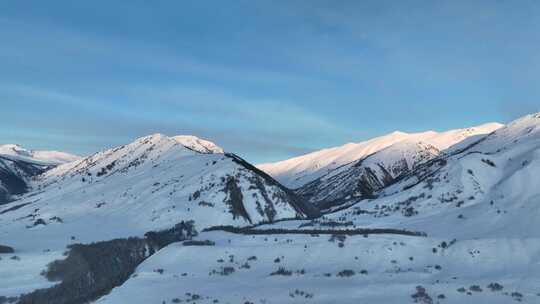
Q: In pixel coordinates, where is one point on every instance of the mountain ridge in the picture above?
(300, 170)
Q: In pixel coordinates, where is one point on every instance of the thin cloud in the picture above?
(258, 129)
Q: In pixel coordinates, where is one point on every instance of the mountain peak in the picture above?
(198, 144)
(398, 133)
(191, 142)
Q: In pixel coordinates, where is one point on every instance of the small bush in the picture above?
(227, 270)
(421, 296)
(199, 243)
(346, 273)
(245, 266)
(495, 287)
(159, 270)
(475, 288)
(6, 249)
(281, 271)
(489, 162)
(516, 295)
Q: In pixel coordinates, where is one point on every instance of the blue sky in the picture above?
(264, 79)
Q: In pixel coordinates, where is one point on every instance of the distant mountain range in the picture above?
(332, 177)
(298, 171)
(18, 166)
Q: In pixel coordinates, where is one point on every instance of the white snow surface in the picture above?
(298, 171)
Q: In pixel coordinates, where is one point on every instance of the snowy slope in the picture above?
(356, 269)
(298, 171)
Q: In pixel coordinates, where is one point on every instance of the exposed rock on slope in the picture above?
(15, 175)
(363, 178)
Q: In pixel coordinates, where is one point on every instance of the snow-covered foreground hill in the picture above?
(298, 171)
(456, 227)
(350, 269)
(148, 185)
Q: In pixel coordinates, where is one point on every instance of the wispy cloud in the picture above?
(263, 129)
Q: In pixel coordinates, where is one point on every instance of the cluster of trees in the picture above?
(359, 231)
(93, 270)
(6, 249)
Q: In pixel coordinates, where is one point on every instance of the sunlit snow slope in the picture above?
(298, 171)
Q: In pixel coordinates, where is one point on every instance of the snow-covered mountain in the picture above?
(163, 180)
(362, 178)
(18, 166)
(487, 185)
(298, 171)
(42, 157)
